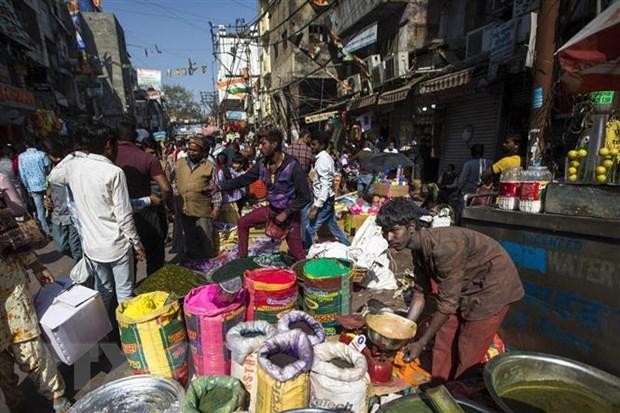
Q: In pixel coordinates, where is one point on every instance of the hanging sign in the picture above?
(365, 38)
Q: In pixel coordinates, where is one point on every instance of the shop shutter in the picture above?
(482, 113)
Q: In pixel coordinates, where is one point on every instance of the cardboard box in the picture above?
(390, 191)
(354, 222)
(75, 321)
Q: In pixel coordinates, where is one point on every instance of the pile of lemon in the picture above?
(575, 158)
(607, 156)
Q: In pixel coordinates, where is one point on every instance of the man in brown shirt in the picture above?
(302, 152)
(475, 282)
(195, 174)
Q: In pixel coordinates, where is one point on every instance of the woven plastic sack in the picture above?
(335, 387)
(271, 291)
(289, 320)
(157, 342)
(243, 341)
(207, 324)
(284, 387)
(227, 395)
(326, 290)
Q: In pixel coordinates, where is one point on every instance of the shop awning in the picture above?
(397, 95)
(11, 26)
(364, 102)
(449, 81)
(591, 58)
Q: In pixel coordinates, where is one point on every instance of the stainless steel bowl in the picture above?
(510, 370)
(135, 394)
(390, 331)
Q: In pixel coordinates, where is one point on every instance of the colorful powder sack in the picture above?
(284, 386)
(244, 340)
(214, 394)
(154, 342)
(207, 324)
(271, 291)
(326, 291)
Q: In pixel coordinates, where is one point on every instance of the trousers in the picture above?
(259, 216)
(326, 214)
(199, 236)
(119, 276)
(460, 345)
(32, 357)
(37, 197)
(152, 228)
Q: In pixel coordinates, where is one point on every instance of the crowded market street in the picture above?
(309, 206)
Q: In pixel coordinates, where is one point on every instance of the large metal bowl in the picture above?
(511, 370)
(134, 394)
(390, 331)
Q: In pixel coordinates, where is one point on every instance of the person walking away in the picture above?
(364, 179)
(66, 236)
(229, 212)
(104, 213)
(300, 150)
(511, 158)
(33, 168)
(20, 337)
(198, 207)
(475, 279)
(149, 215)
(321, 210)
(288, 193)
(470, 179)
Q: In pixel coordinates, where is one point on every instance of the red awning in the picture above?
(591, 59)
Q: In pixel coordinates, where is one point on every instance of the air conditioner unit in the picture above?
(396, 65)
(355, 82)
(479, 40)
(377, 75)
(372, 61)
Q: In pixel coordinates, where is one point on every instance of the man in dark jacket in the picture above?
(288, 193)
(474, 279)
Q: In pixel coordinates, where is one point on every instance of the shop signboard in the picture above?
(235, 115)
(16, 97)
(502, 42)
(365, 38)
(149, 79)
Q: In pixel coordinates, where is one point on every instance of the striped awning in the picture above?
(449, 81)
(397, 95)
(363, 102)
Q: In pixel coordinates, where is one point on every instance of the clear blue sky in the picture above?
(180, 29)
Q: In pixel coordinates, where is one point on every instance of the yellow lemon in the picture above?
(572, 171)
(582, 153)
(572, 154)
(608, 163)
(614, 151)
(572, 178)
(603, 152)
(601, 170)
(574, 164)
(601, 178)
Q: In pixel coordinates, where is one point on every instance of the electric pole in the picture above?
(544, 62)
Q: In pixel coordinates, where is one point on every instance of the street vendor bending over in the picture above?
(474, 279)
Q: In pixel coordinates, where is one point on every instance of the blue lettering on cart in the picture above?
(527, 257)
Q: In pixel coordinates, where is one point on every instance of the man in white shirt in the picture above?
(390, 148)
(106, 224)
(322, 208)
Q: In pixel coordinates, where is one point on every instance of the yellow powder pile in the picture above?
(145, 304)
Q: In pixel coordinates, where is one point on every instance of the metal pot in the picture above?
(382, 333)
(135, 394)
(510, 370)
(425, 404)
